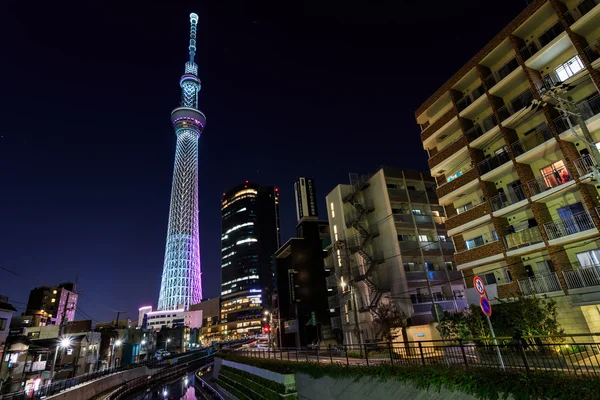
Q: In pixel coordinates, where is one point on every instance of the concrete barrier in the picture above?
(91, 389)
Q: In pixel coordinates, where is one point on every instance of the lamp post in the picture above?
(64, 342)
(167, 343)
(116, 344)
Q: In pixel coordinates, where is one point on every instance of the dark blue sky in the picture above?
(307, 88)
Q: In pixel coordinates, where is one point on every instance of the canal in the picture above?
(181, 388)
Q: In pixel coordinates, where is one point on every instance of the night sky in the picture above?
(311, 88)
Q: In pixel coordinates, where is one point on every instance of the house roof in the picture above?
(7, 307)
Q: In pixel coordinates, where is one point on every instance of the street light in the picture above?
(63, 343)
(116, 344)
(167, 343)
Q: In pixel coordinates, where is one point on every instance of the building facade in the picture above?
(47, 305)
(181, 283)
(512, 142)
(250, 237)
(389, 246)
(6, 313)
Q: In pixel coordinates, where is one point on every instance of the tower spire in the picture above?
(193, 23)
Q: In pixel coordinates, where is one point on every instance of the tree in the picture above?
(524, 316)
(387, 317)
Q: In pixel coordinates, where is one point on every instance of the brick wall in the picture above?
(480, 252)
(457, 183)
(443, 120)
(468, 216)
(447, 151)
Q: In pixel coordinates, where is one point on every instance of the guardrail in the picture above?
(569, 225)
(555, 353)
(540, 284)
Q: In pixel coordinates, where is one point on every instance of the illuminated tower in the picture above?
(181, 283)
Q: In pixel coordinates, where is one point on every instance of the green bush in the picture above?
(483, 383)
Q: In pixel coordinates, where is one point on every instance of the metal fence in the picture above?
(562, 354)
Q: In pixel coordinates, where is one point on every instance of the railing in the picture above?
(501, 73)
(592, 53)
(513, 196)
(522, 100)
(333, 301)
(540, 284)
(328, 262)
(574, 355)
(467, 207)
(528, 50)
(491, 163)
(587, 108)
(447, 305)
(569, 225)
(582, 277)
(336, 323)
(549, 180)
(479, 129)
(550, 33)
(523, 238)
(332, 281)
(541, 134)
(482, 240)
(585, 165)
(470, 98)
(580, 10)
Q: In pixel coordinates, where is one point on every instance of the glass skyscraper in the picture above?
(249, 238)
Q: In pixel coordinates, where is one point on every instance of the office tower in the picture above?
(389, 246)
(53, 303)
(306, 199)
(512, 142)
(250, 237)
(181, 283)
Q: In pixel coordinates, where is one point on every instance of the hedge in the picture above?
(482, 383)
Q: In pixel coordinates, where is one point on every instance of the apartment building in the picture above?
(514, 172)
(389, 245)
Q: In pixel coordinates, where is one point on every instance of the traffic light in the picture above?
(267, 329)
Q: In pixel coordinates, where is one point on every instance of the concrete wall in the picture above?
(346, 389)
(91, 389)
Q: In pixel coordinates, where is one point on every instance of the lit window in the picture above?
(416, 212)
(568, 69)
(442, 238)
(229, 255)
(423, 238)
(453, 177)
(248, 240)
(54, 291)
(332, 211)
(53, 300)
(235, 228)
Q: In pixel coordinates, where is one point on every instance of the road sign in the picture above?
(485, 305)
(437, 312)
(479, 286)
(313, 318)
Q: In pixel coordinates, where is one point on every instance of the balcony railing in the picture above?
(548, 181)
(592, 53)
(491, 163)
(522, 100)
(523, 238)
(333, 302)
(336, 323)
(528, 50)
(470, 98)
(332, 281)
(467, 207)
(479, 129)
(501, 73)
(580, 10)
(541, 134)
(540, 284)
(585, 165)
(569, 225)
(587, 108)
(513, 196)
(550, 34)
(582, 277)
(447, 305)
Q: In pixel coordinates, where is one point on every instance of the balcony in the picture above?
(539, 136)
(437, 275)
(447, 305)
(492, 163)
(523, 239)
(522, 100)
(336, 323)
(540, 284)
(333, 302)
(582, 277)
(328, 262)
(501, 73)
(587, 108)
(486, 238)
(581, 9)
(585, 165)
(545, 38)
(549, 181)
(416, 247)
(592, 53)
(567, 226)
(503, 200)
(468, 99)
(480, 129)
(332, 282)
(550, 44)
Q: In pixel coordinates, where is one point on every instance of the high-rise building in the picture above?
(389, 246)
(52, 303)
(181, 283)
(250, 237)
(512, 140)
(306, 199)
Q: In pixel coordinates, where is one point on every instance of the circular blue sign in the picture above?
(485, 305)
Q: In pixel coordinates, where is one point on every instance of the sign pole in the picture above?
(495, 342)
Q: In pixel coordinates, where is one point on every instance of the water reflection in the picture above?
(179, 389)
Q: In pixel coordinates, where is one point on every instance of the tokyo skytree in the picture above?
(181, 283)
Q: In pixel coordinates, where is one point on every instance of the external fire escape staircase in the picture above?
(360, 243)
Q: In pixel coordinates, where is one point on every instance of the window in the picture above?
(568, 69)
(435, 213)
(3, 324)
(453, 177)
(475, 242)
(442, 238)
(589, 259)
(423, 238)
(416, 212)
(555, 174)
